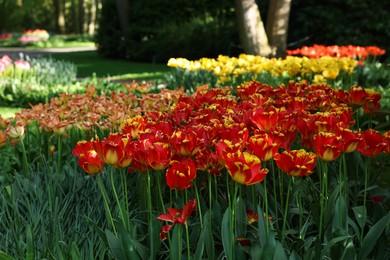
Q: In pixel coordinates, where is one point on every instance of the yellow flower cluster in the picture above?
(226, 67)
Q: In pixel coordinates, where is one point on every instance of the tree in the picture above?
(123, 12)
(277, 25)
(257, 39)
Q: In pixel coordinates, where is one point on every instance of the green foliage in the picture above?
(10, 15)
(176, 28)
(45, 79)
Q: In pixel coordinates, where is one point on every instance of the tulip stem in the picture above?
(59, 154)
(198, 204)
(106, 206)
(160, 193)
(188, 241)
(300, 208)
(286, 209)
(323, 196)
(24, 163)
(210, 195)
(149, 196)
(266, 205)
(125, 195)
(116, 196)
(366, 166)
(274, 186)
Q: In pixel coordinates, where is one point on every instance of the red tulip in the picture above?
(373, 143)
(185, 143)
(180, 174)
(133, 126)
(262, 146)
(296, 162)
(357, 96)
(245, 168)
(113, 148)
(176, 216)
(350, 139)
(328, 146)
(372, 103)
(265, 119)
(158, 154)
(90, 162)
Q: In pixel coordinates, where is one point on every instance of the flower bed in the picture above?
(235, 70)
(350, 51)
(35, 35)
(255, 171)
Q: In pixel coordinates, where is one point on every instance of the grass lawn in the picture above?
(89, 62)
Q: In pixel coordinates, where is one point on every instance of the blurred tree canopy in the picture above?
(55, 16)
(159, 29)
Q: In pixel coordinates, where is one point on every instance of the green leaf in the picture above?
(349, 250)
(279, 252)
(115, 245)
(74, 251)
(360, 215)
(331, 243)
(209, 240)
(127, 246)
(200, 245)
(97, 229)
(372, 236)
(156, 237)
(176, 246)
(294, 256)
(240, 217)
(340, 214)
(268, 251)
(30, 244)
(330, 208)
(261, 226)
(225, 233)
(4, 256)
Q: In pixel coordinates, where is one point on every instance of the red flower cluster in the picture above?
(350, 51)
(214, 129)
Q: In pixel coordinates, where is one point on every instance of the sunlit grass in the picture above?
(89, 63)
(6, 112)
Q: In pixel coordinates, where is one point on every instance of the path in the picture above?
(43, 51)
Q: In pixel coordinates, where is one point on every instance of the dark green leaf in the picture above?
(360, 215)
(372, 236)
(225, 233)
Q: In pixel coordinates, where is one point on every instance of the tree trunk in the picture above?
(123, 12)
(81, 16)
(251, 29)
(59, 16)
(74, 17)
(92, 17)
(277, 25)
